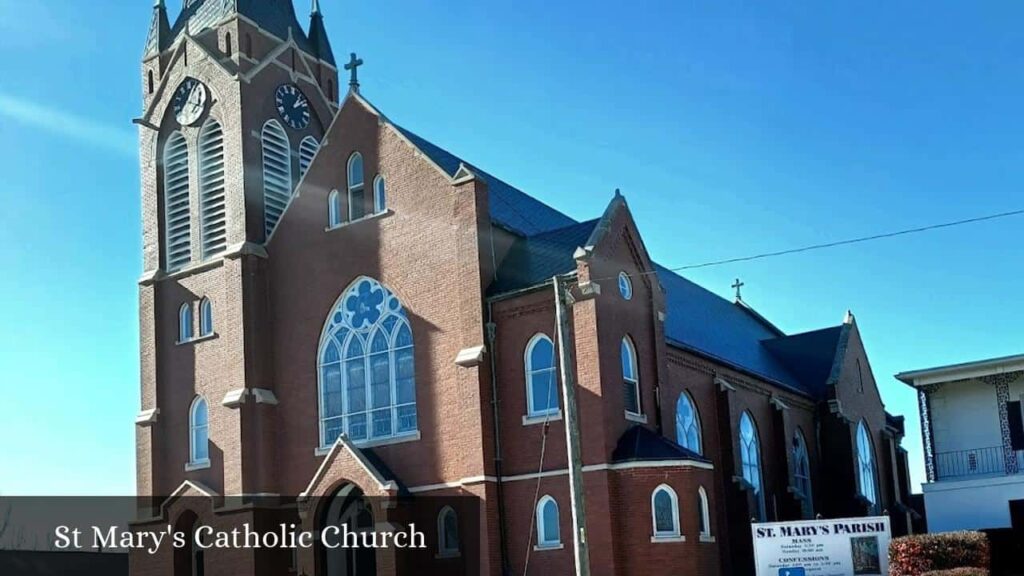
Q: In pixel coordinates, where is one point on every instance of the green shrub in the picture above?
(920, 554)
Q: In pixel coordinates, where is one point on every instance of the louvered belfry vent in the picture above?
(176, 203)
(277, 173)
(307, 150)
(213, 212)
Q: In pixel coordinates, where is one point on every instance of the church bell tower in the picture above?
(237, 96)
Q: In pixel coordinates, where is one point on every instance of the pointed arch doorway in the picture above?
(348, 507)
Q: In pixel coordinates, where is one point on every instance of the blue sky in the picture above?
(732, 128)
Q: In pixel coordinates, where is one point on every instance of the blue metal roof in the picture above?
(638, 444)
(510, 207)
(533, 260)
(706, 323)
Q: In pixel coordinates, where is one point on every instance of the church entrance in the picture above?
(349, 510)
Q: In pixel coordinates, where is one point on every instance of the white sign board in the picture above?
(842, 547)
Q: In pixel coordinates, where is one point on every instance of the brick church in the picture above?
(341, 315)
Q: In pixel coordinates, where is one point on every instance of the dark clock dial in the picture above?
(293, 106)
(189, 101)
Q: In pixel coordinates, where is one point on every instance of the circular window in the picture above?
(625, 286)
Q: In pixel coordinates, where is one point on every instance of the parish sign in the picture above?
(840, 547)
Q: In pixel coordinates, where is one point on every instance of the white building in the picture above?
(973, 428)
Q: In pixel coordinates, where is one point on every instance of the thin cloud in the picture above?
(58, 122)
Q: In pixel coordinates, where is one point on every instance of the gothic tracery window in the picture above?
(688, 424)
(750, 460)
(665, 513)
(802, 475)
(367, 377)
(541, 383)
(866, 466)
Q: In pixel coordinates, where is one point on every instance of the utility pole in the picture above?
(581, 553)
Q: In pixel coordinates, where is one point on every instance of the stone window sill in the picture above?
(197, 339)
(193, 466)
(541, 418)
(668, 539)
(641, 418)
(448, 555)
(707, 539)
(346, 224)
(407, 437)
(548, 547)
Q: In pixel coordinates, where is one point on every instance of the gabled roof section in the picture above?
(638, 444)
(809, 356)
(511, 208)
(533, 260)
(705, 323)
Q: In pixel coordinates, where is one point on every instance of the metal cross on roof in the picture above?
(353, 66)
(737, 286)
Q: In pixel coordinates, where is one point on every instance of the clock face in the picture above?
(189, 101)
(293, 106)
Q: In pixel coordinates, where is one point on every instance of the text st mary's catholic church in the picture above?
(343, 318)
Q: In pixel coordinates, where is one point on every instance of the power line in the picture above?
(852, 240)
(846, 242)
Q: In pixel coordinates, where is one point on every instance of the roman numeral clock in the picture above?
(293, 106)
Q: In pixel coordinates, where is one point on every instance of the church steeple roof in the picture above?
(275, 16)
(159, 30)
(318, 35)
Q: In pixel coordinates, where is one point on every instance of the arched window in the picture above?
(750, 460)
(228, 48)
(380, 196)
(205, 317)
(548, 533)
(199, 432)
(703, 513)
(307, 151)
(630, 377)
(802, 475)
(447, 532)
(333, 209)
(688, 424)
(541, 383)
(625, 286)
(356, 188)
(185, 322)
(665, 513)
(367, 377)
(866, 465)
(212, 210)
(177, 213)
(277, 173)
(150, 76)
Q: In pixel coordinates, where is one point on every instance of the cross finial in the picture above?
(353, 66)
(737, 285)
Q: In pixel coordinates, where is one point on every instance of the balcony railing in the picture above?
(969, 463)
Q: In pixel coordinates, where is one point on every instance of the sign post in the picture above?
(840, 547)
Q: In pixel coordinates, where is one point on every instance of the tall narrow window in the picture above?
(333, 209)
(205, 317)
(802, 475)
(307, 150)
(447, 533)
(866, 466)
(688, 424)
(356, 187)
(630, 377)
(665, 513)
(380, 197)
(703, 514)
(541, 383)
(185, 323)
(750, 460)
(277, 173)
(229, 48)
(213, 213)
(199, 433)
(177, 213)
(548, 533)
(367, 375)
(150, 76)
